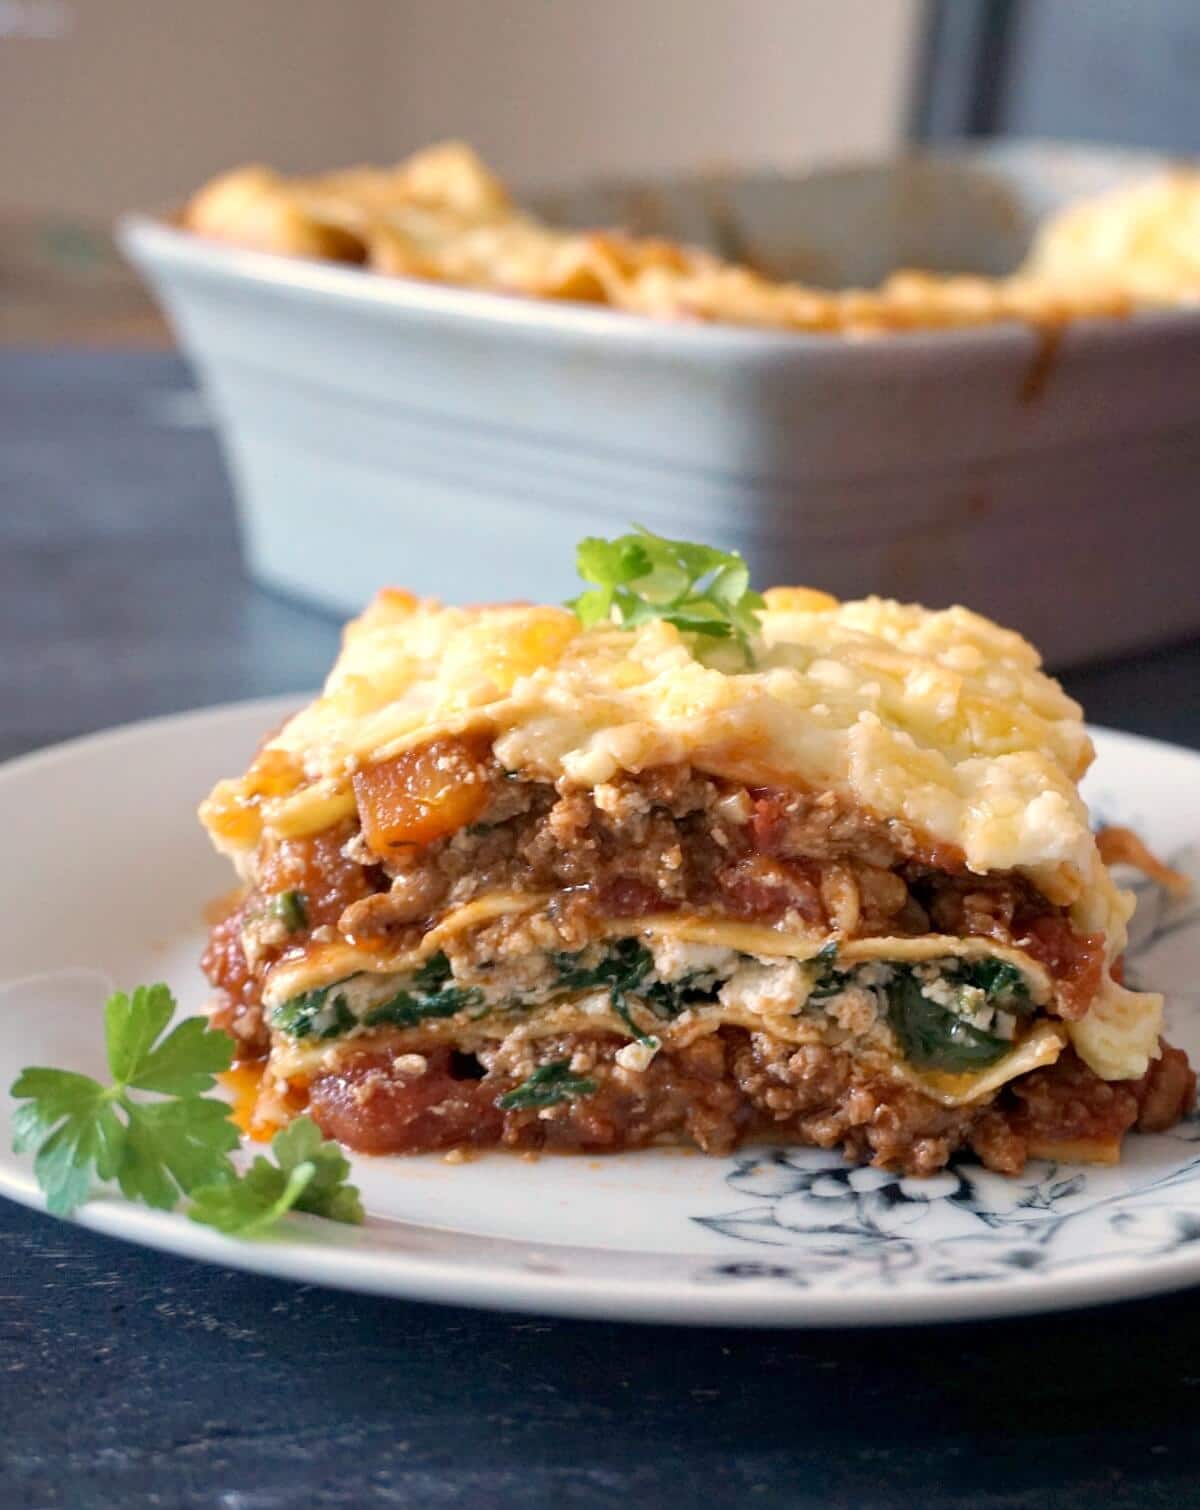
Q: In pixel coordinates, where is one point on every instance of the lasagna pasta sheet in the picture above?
(778, 1013)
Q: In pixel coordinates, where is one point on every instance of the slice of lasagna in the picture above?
(515, 881)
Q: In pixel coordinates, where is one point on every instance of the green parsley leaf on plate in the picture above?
(308, 1174)
(80, 1130)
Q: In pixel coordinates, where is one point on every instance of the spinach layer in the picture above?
(941, 1035)
(325, 1012)
(954, 1032)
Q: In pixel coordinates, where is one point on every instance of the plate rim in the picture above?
(478, 1285)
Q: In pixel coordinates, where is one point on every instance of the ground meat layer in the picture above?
(728, 1088)
(329, 881)
(672, 837)
(667, 839)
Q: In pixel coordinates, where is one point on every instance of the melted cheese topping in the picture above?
(1145, 238)
(443, 215)
(943, 720)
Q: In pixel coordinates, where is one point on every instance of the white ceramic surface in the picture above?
(373, 425)
(766, 1238)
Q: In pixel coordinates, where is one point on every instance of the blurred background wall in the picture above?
(110, 103)
(556, 88)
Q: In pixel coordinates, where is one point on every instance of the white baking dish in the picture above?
(460, 442)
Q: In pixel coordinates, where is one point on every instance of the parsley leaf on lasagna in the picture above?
(643, 576)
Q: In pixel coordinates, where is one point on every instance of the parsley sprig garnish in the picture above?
(309, 1174)
(643, 576)
(178, 1144)
(81, 1129)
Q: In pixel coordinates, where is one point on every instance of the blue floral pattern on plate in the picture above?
(852, 1226)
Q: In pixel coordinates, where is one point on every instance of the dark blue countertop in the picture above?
(130, 1378)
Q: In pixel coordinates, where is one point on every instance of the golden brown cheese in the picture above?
(1145, 239)
(942, 719)
(442, 215)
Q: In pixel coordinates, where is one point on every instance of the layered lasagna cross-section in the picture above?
(510, 881)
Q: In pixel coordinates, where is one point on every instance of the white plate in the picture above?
(107, 875)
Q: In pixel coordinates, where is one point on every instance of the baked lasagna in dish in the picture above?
(783, 869)
(442, 215)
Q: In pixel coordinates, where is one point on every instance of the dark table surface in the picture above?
(131, 1378)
